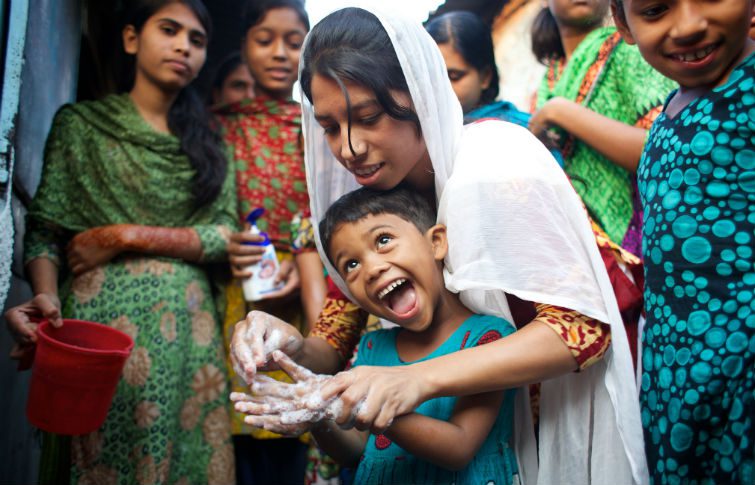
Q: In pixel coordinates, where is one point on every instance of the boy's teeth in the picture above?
(390, 288)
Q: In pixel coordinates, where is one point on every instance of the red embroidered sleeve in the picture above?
(340, 323)
(587, 338)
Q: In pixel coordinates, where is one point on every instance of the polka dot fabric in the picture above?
(697, 181)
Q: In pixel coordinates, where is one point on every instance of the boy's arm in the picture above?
(345, 446)
(449, 444)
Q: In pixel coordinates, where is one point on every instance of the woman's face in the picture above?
(386, 151)
(272, 49)
(171, 48)
(468, 82)
(579, 14)
(237, 86)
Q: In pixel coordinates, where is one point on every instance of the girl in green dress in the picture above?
(596, 102)
(135, 204)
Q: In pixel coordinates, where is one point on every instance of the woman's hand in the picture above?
(96, 246)
(285, 408)
(373, 396)
(241, 255)
(288, 274)
(255, 339)
(546, 118)
(23, 327)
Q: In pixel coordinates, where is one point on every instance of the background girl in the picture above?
(401, 122)
(264, 135)
(602, 96)
(466, 44)
(135, 201)
(233, 82)
(696, 179)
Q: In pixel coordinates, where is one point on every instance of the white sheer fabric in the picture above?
(515, 225)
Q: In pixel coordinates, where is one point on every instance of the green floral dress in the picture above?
(169, 419)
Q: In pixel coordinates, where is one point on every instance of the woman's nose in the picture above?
(182, 43)
(353, 148)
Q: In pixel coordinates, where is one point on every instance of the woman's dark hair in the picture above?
(350, 45)
(255, 11)
(546, 39)
(470, 36)
(188, 118)
(400, 201)
(225, 68)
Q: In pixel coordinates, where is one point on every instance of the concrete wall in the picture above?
(48, 80)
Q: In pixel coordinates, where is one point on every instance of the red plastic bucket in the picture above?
(75, 373)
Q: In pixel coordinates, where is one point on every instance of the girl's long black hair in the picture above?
(546, 38)
(188, 118)
(470, 36)
(350, 45)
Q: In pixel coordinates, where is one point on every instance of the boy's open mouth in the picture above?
(399, 296)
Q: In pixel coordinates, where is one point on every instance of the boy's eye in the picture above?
(350, 266)
(383, 239)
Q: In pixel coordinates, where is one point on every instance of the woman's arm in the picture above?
(617, 141)
(99, 245)
(449, 444)
(313, 286)
(530, 355)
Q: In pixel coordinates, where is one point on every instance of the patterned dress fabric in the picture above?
(264, 137)
(611, 78)
(169, 419)
(697, 181)
(385, 462)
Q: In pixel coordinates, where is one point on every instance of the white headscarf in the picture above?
(515, 225)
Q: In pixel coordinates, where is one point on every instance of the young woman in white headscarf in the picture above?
(379, 110)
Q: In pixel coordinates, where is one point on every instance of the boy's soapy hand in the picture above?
(22, 321)
(254, 340)
(94, 247)
(287, 408)
(241, 254)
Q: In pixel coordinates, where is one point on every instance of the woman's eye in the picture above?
(168, 29)
(330, 129)
(350, 266)
(371, 120)
(653, 11)
(198, 42)
(263, 42)
(456, 75)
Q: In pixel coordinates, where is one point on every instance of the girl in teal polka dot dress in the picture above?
(697, 182)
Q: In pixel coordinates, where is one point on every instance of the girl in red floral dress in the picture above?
(264, 135)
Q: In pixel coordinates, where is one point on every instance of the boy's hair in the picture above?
(355, 206)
